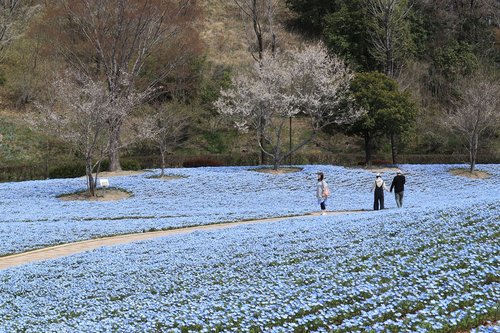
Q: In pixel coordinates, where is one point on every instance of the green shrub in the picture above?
(104, 166)
(72, 170)
(77, 169)
(201, 162)
(22, 172)
(126, 164)
(218, 143)
(382, 162)
(130, 164)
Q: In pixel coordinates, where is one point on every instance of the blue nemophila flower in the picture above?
(433, 262)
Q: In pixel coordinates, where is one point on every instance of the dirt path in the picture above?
(78, 247)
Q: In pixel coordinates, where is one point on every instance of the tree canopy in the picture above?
(388, 111)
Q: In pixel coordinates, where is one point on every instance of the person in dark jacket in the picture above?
(378, 189)
(398, 184)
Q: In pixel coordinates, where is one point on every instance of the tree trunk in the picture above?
(114, 146)
(257, 30)
(276, 163)
(368, 149)
(162, 164)
(394, 149)
(276, 156)
(262, 158)
(473, 152)
(90, 179)
(290, 142)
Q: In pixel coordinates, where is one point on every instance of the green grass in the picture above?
(18, 144)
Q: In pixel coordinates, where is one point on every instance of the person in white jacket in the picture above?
(322, 192)
(378, 189)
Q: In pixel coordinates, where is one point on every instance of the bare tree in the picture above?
(389, 34)
(309, 83)
(260, 14)
(166, 127)
(14, 15)
(121, 36)
(74, 111)
(475, 111)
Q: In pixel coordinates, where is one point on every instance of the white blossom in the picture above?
(298, 83)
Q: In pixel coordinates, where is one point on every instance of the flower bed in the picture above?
(429, 267)
(32, 215)
(435, 271)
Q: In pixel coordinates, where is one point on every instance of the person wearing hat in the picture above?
(398, 184)
(322, 192)
(378, 189)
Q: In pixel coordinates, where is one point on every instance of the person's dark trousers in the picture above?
(322, 205)
(378, 199)
(399, 198)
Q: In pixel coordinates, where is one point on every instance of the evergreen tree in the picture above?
(346, 33)
(388, 111)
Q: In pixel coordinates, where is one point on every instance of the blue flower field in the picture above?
(432, 266)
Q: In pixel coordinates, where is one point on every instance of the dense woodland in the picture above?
(143, 83)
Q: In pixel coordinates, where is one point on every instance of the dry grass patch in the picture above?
(167, 177)
(229, 34)
(380, 169)
(279, 171)
(107, 174)
(376, 169)
(102, 195)
(477, 174)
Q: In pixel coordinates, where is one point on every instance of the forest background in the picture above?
(436, 48)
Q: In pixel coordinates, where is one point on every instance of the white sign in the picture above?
(104, 182)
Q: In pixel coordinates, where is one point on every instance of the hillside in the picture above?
(432, 73)
(228, 33)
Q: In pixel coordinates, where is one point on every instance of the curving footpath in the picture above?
(68, 249)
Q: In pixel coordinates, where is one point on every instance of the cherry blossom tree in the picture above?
(262, 36)
(308, 83)
(76, 110)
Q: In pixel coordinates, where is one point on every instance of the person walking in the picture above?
(398, 184)
(378, 189)
(322, 192)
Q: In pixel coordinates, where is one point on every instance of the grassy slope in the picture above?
(18, 144)
(227, 36)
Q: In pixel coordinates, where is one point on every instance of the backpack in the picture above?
(326, 191)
